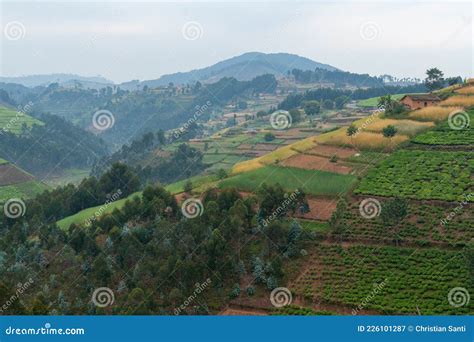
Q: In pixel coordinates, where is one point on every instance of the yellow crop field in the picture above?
(404, 127)
(246, 166)
(459, 100)
(466, 91)
(362, 140)
(433, 113)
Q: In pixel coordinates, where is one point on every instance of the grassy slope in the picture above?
(25, 190)
(22, 190)
(12, 120)
(311, 181)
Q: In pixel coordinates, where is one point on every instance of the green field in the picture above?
(407, 278)
(3, 161)
(22, 190)
(374, 101)
(12, 120)
(73, 176)
(443, 134)
(421, 175)
(422, 224)
(82, 216)
(311, 181)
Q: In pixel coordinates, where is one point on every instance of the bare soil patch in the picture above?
(311, 162)
(9, 174)
(329, 151)
(320, 209)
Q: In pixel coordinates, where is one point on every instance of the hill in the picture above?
(45, 80)
(17, 183)
(47, 144)
(244, 68)
(12, 120)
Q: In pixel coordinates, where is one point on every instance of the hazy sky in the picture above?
(143, 40)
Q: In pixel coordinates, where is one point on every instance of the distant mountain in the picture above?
(244, 67)
(63, 79)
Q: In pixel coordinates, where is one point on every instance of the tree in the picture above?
(119, 177)
(351, 131)
(389, 132)
(295, 115)
(394, 211)
(221, 173)
(328, 104)
(269, 136)
(312, 108)
(340, 101)
(188, 187)
(434, 79)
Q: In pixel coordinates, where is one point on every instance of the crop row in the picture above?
(386, 279)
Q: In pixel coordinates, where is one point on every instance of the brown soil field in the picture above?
(242, 312)
(329, 151)
(310, 162)
(320, 209)
(9, 174)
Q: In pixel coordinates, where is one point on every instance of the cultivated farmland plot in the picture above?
(421, 175)
(407, 278)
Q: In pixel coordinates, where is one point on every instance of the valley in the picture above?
(334, 191)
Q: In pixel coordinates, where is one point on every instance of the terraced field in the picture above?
(12, 120)
(443, 134)
(16, 183)
(426, 222)
(421, 175)
(406, 279)
(316, 183)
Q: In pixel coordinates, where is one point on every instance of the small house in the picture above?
(417, 101)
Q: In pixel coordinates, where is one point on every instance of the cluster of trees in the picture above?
(53, 205)
(435, 79)
(339, 78)
(149, 255)
(322, 94)
(144, 157)
(55, 145)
